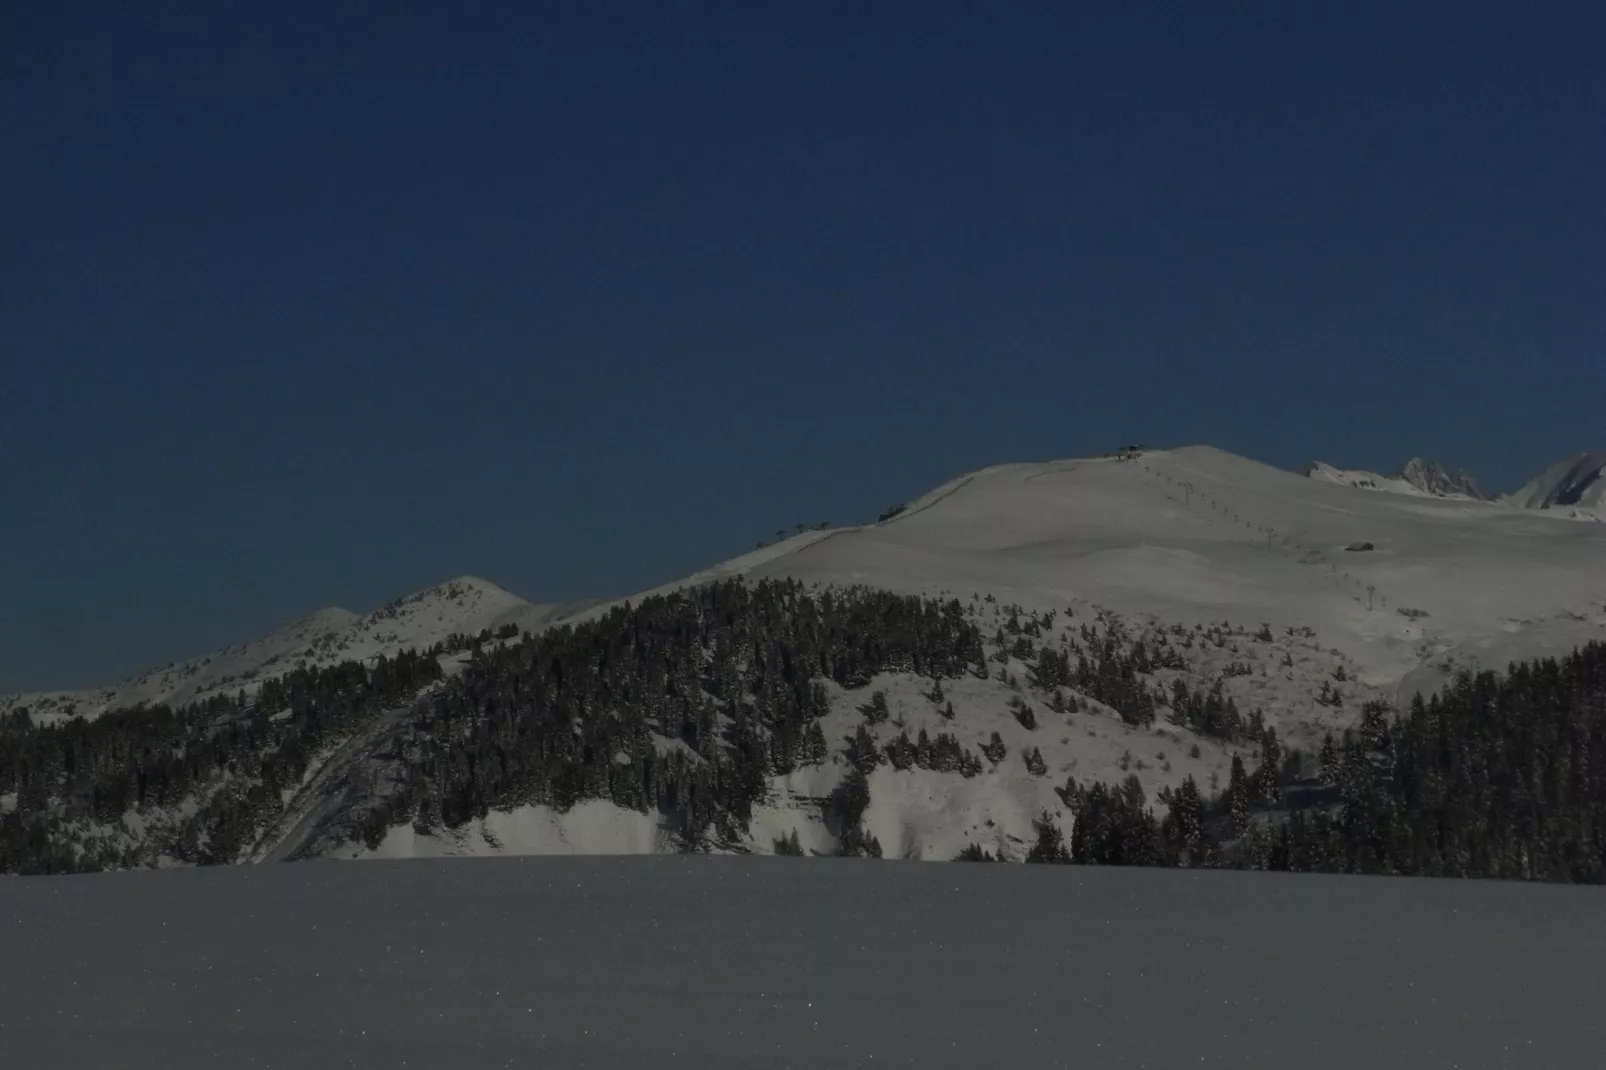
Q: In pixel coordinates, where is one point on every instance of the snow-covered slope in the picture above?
(1576, 486)
(464, 605)
(1197, 534)
(1359, 478)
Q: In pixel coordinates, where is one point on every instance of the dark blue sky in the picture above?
(320, 308)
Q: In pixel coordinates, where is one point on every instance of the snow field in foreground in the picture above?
(712, 963)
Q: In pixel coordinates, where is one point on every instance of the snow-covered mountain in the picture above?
(1193, 538)
(1576, 485)
(466, 605)
(1419, 477)
(1271, 585)
(1169, 533)
(1574, 488)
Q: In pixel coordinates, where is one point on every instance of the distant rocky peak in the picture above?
(1578, 481)
(1431, 477)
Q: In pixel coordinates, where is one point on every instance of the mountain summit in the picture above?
(465, 605)
(1433, 478)
(1579, 482)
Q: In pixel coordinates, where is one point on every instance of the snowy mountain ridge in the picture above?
(1574, 488)
(1166, 533)
(1418, 477)
(465, 605)
(1576, 484)
(1433, 478)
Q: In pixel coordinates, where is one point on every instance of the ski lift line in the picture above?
(1272, 536)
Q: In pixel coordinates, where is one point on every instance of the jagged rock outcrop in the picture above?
(1431, 477)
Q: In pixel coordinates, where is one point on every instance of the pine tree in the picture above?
(814, 746)
(1241, 797)
(1327, 766)
(846, 805)
(1184, 824)
(1050, 845)
(1374, 727)
(1270, 761)
(875, 711)
(862, 753)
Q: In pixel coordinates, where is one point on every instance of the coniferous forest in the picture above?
(1496, 776)
(190, 786)
(686, 705)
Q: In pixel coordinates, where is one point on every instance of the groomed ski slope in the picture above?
(716, 963)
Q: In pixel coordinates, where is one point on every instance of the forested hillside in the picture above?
(696, 708)
(154, 786)
(1498, 776)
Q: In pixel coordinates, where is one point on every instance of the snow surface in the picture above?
(723, 963)
(467, 605)
(591, 827)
